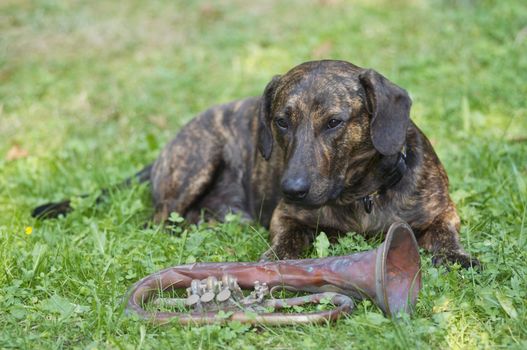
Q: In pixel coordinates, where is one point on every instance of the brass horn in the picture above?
(389, 275)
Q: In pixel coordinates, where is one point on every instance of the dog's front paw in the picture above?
(268, 255)
(459, 257)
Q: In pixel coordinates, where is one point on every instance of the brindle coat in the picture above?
(301, 157)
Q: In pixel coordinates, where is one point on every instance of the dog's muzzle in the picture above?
(296, 189)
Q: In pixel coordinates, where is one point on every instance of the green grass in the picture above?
(92, 90)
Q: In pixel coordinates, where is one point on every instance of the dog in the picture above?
(329, 146)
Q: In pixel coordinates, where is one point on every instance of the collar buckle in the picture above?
(392, 179)
(368, 203)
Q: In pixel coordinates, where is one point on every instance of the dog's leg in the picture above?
(442, 239)
(224, 196)
(228, 193)
(185, 169)
(289, 237)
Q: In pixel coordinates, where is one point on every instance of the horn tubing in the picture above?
(389, 275)
(343, 305)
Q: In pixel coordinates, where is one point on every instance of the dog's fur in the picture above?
(325, 134)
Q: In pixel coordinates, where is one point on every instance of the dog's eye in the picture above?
(333, 123)
(282, 123)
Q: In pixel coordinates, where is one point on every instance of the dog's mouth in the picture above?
(304, 204)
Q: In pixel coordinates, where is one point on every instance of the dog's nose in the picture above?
(295, 189)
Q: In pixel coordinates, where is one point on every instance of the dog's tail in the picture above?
(54, 209)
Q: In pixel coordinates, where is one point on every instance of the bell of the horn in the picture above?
(397, 271)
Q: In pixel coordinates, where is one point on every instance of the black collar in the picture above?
(390, 179)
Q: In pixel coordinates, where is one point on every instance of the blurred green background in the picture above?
(91, 90)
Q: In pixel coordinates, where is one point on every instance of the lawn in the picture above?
(90, 91)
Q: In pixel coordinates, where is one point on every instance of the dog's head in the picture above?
(330, 118)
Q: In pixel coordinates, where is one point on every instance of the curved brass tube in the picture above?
(389, 275)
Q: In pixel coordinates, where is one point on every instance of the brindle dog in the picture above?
(329, 146)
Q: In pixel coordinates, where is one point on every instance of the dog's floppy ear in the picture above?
(265, 134)
(389, 106)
